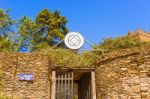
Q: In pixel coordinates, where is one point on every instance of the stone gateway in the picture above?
(123, 74)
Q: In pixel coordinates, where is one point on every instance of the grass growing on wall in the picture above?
(123, 42)
(69, 58)
(65, 57)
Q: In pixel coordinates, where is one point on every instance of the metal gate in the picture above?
(64, 85)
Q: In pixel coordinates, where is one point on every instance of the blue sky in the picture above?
(94, 19)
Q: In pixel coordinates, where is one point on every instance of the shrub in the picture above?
(69, 58)
(128, 41)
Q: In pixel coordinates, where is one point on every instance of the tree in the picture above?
(6, 31)
(5, 44)
(51, 28)
(6, 23)
(47, 30)
(26, 29)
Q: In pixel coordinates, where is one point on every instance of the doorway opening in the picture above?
(73, 84)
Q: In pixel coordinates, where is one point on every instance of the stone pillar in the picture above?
(93, 85)
(53, 88)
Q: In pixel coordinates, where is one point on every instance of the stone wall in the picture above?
(142, 35)
(14, 64)
(124, 74)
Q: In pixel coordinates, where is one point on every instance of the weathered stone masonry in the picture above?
(124, 74)
(20, 63)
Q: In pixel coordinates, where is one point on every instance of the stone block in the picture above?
(144, 95)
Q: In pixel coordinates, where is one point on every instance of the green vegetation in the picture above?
(127, 41)
(55, 27)
(6, 23)
(5, 44)
(4, 97)
(66, 57)
(46, 30)
(69, 58)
